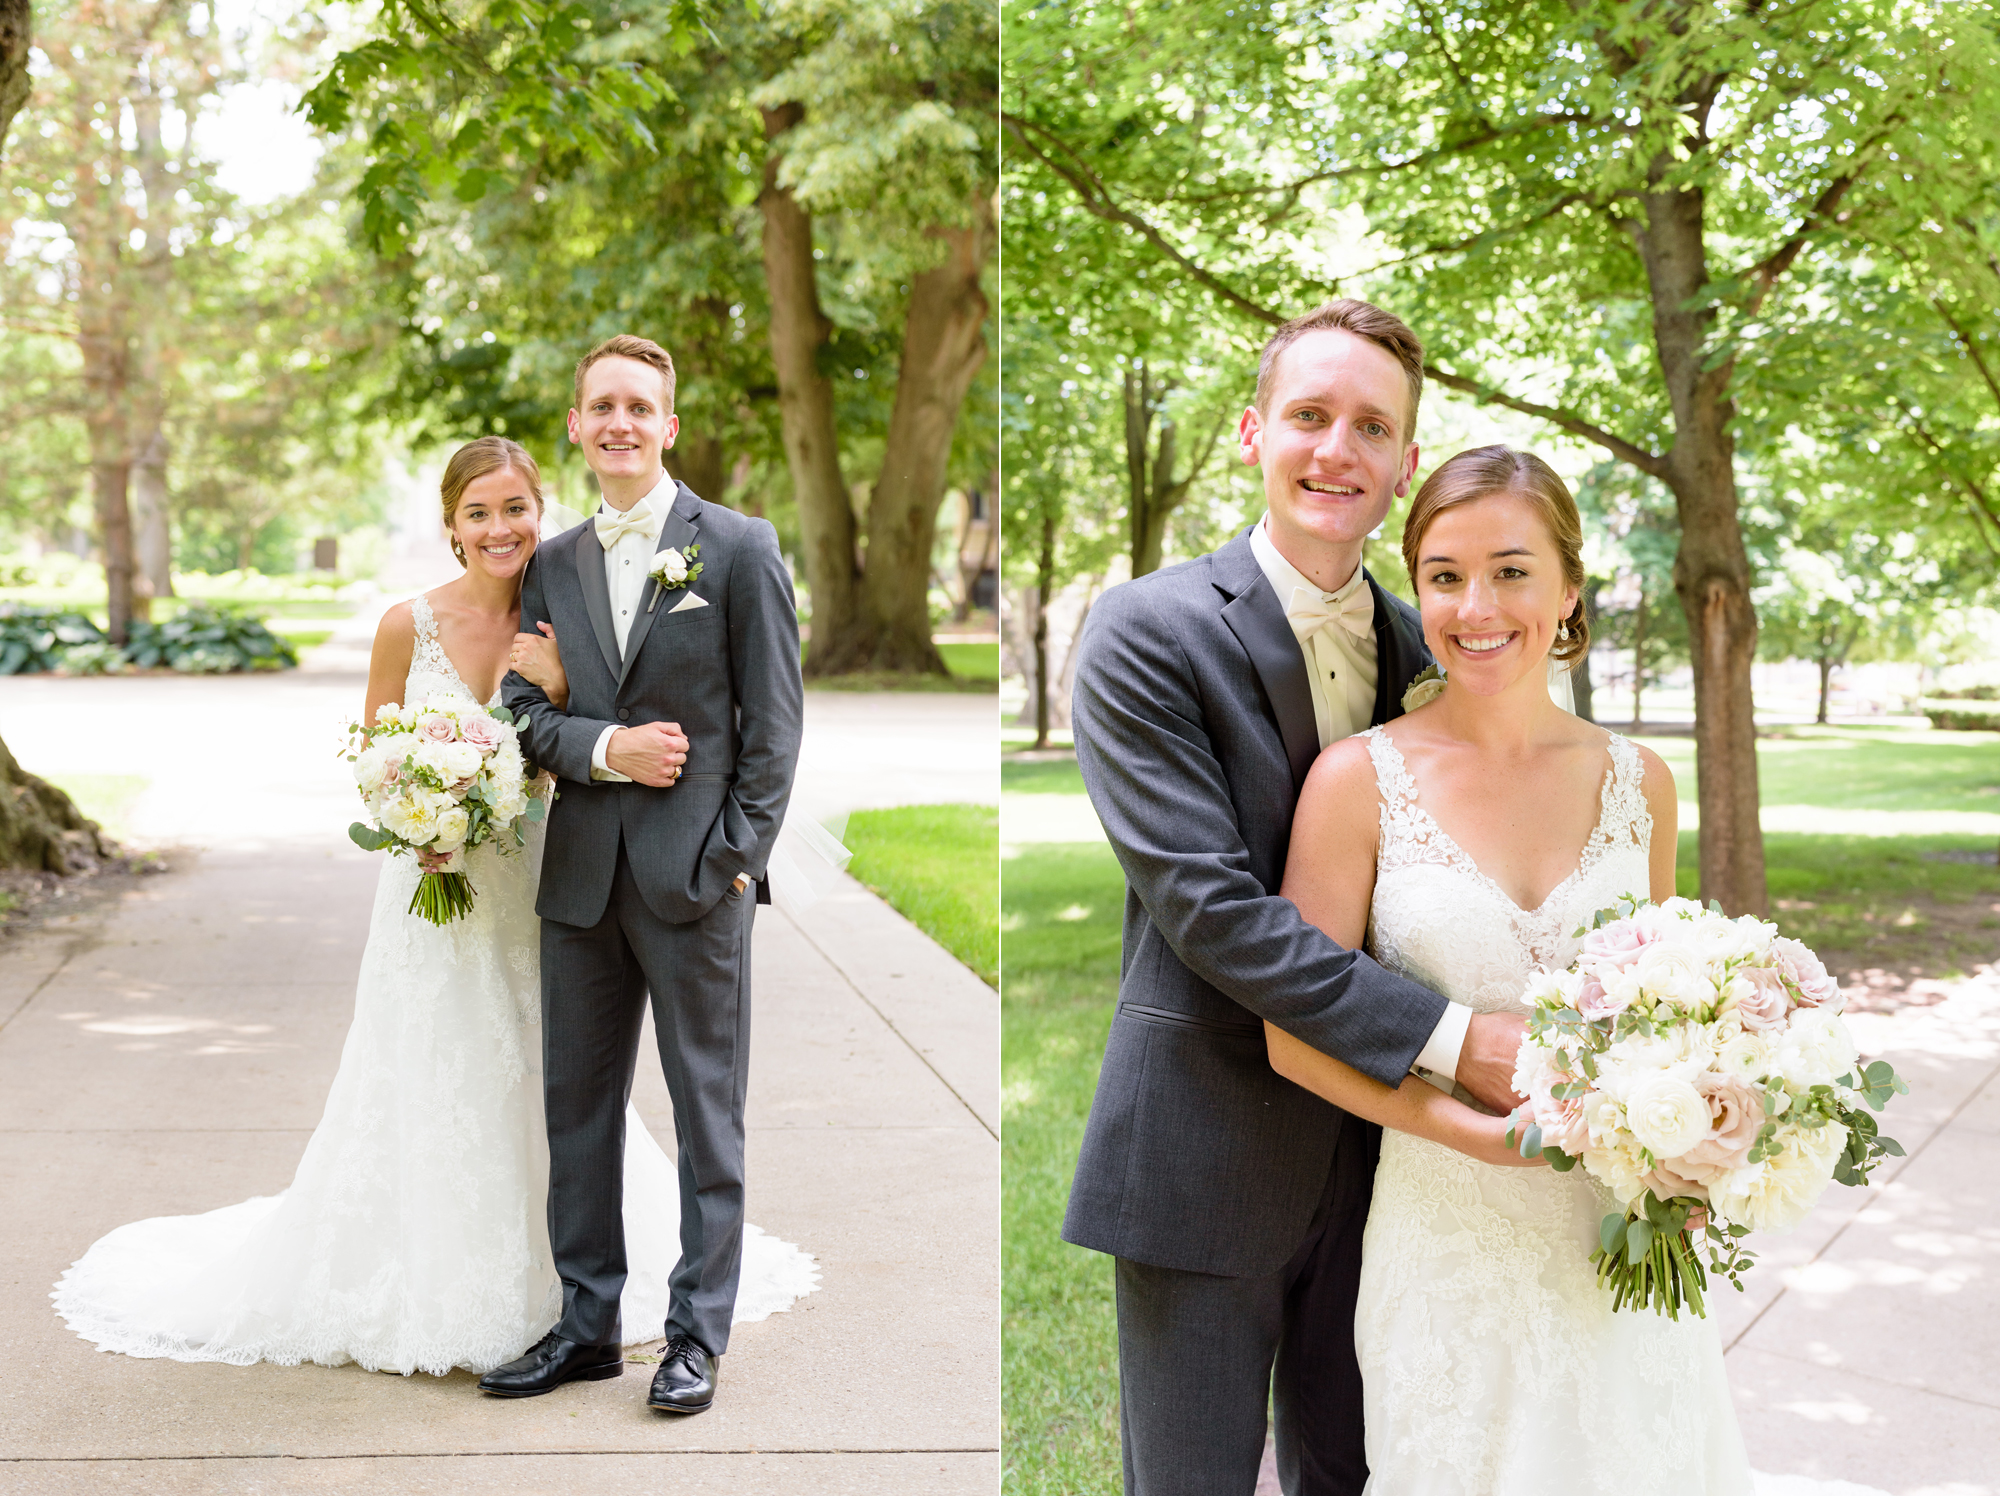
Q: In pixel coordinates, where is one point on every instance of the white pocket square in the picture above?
(692, 600)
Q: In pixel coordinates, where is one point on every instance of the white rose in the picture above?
(371, 769)
(461, 761)
(671, 567)
(1603, 1117)
(1775, 1194)
(510, 807)
(452, 825)
(1816, 1048)
(1667, 1115)
(1747, 1053)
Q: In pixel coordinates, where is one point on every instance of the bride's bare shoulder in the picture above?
(1341, 786)
(397, 630)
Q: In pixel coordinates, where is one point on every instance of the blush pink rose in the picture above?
(1767, 1002)
(438, 728)
(1592, 1001)
(1817, 988)
(1618, 943)
(1562, 1124)
(482, 733)
(1666, 1182)
(1736, 1115)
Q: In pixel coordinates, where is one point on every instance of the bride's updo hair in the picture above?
(1484, 471)
(489, 454)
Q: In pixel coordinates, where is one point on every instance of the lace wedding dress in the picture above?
(414, 1235)
(1491, 1362)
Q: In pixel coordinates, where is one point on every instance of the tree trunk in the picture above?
(1825, 686)
(1638, 655)
(41, 829)
(1711, 570)
(699, 461)
(944, 345)
(1579, 676)
(150, 520)
(15, 16)
(1045, 583)
(799, 329)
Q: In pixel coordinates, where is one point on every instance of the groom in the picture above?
(675, 754)
(1232, 1199)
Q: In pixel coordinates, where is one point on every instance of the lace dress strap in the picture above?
(1626, 820)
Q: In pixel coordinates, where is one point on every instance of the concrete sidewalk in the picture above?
(168, 1048)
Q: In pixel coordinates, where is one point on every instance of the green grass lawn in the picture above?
(974, 668)
(1866, 900)
(972, 661)
(106, 798)
(939, 867)
(1058, 1332)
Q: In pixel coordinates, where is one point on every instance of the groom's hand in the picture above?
(1486, 1063)
(651, 753)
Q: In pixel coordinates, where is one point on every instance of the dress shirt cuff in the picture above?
(599, 769)
(1440, 1053)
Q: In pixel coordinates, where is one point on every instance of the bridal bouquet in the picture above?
(1699, 1067)
(438, 778)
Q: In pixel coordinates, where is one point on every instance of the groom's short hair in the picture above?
(625, 345)
(1384, 329)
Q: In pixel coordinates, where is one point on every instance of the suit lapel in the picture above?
(596, 593)
(1400, 653)
(677, 532)
(1258, 620)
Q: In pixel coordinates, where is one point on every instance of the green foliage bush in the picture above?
(35, 639)
(93, 659)
(208, 640)
(1963, 713)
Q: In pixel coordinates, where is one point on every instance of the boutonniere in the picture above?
(1427, 687)
(672, 569)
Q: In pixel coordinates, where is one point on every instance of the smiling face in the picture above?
(623, 424)
(497, 522)
(1491, 587)
(1332, 447)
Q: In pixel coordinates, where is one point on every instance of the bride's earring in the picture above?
(1562, 633)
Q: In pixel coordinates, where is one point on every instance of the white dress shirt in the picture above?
(1342, 670)
(625, 563)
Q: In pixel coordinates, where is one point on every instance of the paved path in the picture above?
(168, 1050)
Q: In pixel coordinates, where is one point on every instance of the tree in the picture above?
(861, 136)
(1154, 491)
(1592, 212)
(130, 205)
(40, 826)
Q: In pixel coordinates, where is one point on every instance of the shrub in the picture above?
(1962, 714)
(92, 659)
(205, 639)
(34, 639)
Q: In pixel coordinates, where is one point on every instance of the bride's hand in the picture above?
(538, 658)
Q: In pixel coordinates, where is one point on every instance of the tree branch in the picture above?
(1097, 198)
(1650, 463)
(1766, 272)
(1975, 493)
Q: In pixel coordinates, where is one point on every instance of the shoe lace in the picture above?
(680, 1348)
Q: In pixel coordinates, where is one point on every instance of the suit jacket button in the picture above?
(624, 715)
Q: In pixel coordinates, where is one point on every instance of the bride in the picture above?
(1468, 840)
(414, 1235)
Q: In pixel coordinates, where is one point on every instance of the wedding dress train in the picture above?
(414, 1235)
(1491, 1361)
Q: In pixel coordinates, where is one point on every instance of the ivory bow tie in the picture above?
(613, 527)
(1310, 612)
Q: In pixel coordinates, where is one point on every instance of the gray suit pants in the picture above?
(594, 987)
(1197, 1355)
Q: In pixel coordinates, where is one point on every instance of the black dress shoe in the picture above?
(685, 1382)
(553, 1361)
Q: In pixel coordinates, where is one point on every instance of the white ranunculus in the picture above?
(1747, 1054)
(510, 806)
(1815, 1048)
(1775, 1194)
(1604, 1117)
(1667, 1115)
(452, 825)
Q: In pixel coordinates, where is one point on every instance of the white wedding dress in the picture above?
(414, 1235)
(1491, 1362)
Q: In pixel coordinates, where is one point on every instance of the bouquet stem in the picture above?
(442, 897)
(1650, 1268)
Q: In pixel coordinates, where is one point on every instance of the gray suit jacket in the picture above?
(1194, 732)
(728, 673)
